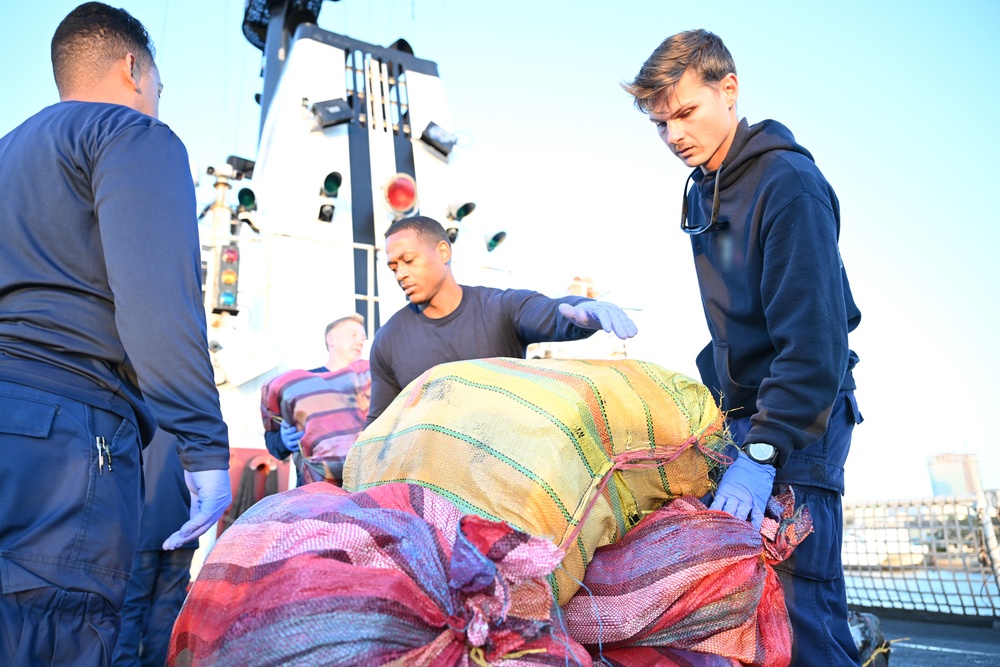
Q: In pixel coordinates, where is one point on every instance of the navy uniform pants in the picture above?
(813, 577)
(153, 600)
(68, 528)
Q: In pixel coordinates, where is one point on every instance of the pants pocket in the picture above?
(77, 519)
(58, 628)
(818, 556)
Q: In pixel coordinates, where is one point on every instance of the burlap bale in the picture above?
(695, 579)
(329, 406)
(574, 451)
(395, 576)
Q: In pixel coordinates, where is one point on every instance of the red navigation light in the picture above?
(401, 193)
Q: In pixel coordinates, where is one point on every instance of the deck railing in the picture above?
(937, 555)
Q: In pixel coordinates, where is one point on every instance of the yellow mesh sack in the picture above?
(574, 451)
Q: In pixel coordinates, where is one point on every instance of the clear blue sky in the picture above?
(896, 101)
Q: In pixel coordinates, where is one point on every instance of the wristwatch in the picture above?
(760, 452)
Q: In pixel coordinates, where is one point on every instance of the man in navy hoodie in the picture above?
(764, 227)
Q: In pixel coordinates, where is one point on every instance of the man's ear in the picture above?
(444, 251)
(131, 71)
(730, 89)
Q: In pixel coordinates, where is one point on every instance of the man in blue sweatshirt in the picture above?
(764, 227)
(102, 337)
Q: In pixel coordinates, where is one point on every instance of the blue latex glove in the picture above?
(744, 489)
(290, 436)
(600, 315)
(210, 496)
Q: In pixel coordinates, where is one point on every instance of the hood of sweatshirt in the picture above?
(751, 142)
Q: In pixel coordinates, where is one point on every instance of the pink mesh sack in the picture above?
(687, 577)
(330, 407)
(662, 656)
(392, 576)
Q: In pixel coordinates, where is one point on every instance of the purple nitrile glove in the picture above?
(291, 436)
(744, 489)
(600, 315)
(210, 496)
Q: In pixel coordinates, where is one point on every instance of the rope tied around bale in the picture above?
(478, 655)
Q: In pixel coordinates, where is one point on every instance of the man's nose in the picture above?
(674, 133)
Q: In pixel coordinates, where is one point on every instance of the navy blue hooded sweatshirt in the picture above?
(774, 289)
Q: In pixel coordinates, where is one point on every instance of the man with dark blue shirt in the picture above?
(764, 226)
(102, 337)
(445, 321)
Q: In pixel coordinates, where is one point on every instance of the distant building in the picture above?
(954, 474)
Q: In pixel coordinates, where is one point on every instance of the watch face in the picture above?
(760, 452)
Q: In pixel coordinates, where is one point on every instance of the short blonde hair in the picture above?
(353, 317)
(700, 51)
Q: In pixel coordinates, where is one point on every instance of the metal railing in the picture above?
(937, 555)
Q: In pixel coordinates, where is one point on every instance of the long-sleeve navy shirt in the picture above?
(100, 272)
(487, 323)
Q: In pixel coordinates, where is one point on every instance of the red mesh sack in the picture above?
(688, 577)
(330, 407)
(663, 656)
(392, 576)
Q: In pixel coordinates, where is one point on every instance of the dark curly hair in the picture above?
(426, 228)
(91, 39)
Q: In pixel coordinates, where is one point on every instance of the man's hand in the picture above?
(600, 315)
(210, 496)
(744, 489)
(291, 436)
